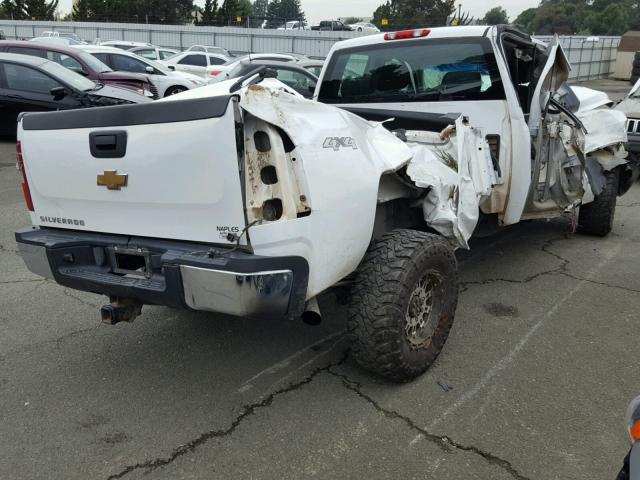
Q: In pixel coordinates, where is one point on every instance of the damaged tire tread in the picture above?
(596, 218)
(384, 283)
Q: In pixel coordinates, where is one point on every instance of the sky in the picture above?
(317, 10)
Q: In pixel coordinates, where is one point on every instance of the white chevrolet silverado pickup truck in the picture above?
(245, 198)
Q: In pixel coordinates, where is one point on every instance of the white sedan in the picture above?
(165, 80)
(221, 72)
(364, 27)
(197, 63)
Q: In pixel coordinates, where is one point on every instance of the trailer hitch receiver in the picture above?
(120, 310)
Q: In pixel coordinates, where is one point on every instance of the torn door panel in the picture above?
(457, 170)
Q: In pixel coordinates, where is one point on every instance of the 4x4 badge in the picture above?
(112, 180)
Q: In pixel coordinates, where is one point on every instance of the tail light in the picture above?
(25, 184)
(405, 34)
(213, 73)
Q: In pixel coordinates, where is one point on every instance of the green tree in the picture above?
(15, 9)
(260, 8)
(30, 9)
(523, 21)
(414, 13)
(385, 11)
(157, 11)
(229, 11)
(281, 11)
(351, 20)
(495, 16)
(209, 12)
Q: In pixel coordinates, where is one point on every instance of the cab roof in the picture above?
(435, 32)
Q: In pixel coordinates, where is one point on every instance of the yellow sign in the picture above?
(454, 22)
(112, 180)
(238, 19)
(384, 22)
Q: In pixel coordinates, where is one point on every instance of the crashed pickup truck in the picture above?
(246, 199)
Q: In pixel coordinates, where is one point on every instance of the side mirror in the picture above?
(150, 69)
(58, 93)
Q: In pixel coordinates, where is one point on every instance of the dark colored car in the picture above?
(334, 25)
(298, 78)
(83, 63)
(33, 84)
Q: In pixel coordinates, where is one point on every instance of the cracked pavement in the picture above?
(532, 383)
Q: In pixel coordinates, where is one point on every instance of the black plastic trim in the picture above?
(166, 256)
(126, 115)
(108, 143)
(407, 120)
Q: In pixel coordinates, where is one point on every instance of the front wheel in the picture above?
(174, 90)
(596, 218)
(403, 303)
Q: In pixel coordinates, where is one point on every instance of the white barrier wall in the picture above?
(590, 57)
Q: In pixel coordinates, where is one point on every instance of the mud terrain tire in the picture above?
(596, 218)
(403, 303)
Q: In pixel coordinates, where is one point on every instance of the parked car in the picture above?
(630, 106)
(83, 63)
(168, 82)
(364, 27)
(314, 66)
(2, 35)
(34, 84)
(196, 63)
(209, 49)
(299, 79)
(295, 25)
(220, 72)
(58, 34)
(124, 44)
(57, 41)
(334, 25)
(154, 53)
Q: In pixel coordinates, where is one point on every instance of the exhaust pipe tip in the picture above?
(311, 314)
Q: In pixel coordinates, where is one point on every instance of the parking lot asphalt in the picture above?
(532, 384)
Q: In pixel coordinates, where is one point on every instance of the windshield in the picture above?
(93, 62)
(72, 79)
(427, 70)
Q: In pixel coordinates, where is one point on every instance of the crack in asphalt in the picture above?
(246, 411)
(8, 282)
(634, 204)
(444, 442)
(81, 300)
(464, 286)
(561, 269)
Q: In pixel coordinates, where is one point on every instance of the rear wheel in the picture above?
(173, 90)
(596, 218)
(403, 303)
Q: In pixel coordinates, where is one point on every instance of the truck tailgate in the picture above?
(165, 170)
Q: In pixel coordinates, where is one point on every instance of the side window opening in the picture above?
(27, 79)
(194, 59)
(522, 58)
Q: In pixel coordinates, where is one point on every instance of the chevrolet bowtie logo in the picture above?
(112, 180)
